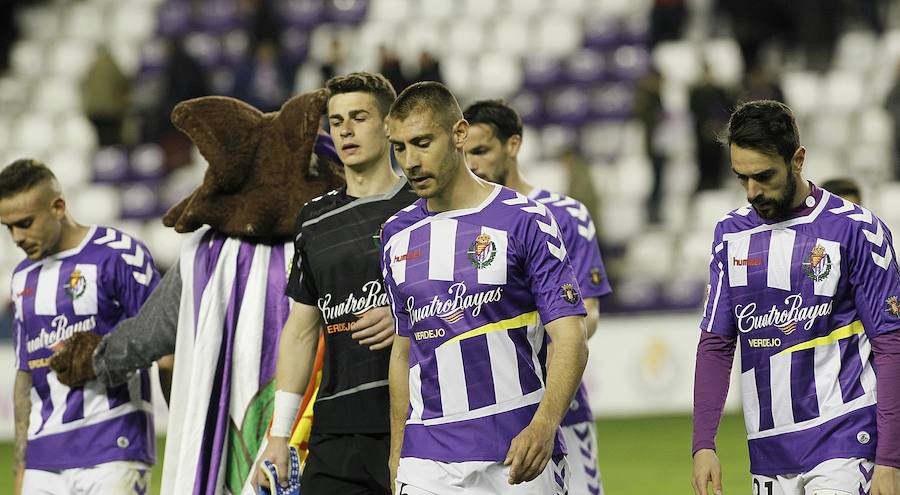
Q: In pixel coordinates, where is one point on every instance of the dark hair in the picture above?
(497, 114)
(431, 95)
(364, 82)
(21, 175)
(765, 126)
(842, 186)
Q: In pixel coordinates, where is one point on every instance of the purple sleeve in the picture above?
(135, 279)
(549, 271)
(401, 316)
(887, 375)
(717, 315)
(875, 277)
(584, 251)
(715, 353)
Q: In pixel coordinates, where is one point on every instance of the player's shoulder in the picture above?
(563, 207)
(113, 242)
(404, 218)
(320, 205)
(516, 207)
(737, 220)
(851, 220)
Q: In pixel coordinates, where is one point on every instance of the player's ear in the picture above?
(797, 160)
(460, 133)
(513, 144)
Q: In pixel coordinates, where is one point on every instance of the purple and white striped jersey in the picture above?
(86, 289)
(580, 236)
(470, 289)
(804, 296)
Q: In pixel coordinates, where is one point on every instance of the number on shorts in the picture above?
(757, 490)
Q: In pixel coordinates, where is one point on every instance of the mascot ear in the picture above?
(300, 117)
(223, 130)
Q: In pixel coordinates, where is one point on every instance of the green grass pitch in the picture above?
(638, 456)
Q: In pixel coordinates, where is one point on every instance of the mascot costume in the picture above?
(221, 309)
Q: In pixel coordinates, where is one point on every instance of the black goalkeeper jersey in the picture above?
(337, 268)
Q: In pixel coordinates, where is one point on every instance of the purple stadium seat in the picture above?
(140, 201)
(110, 165)
(153, 56)
(530, 107)
(147, 162)
(347, 11)
(218, 16)
(602, 33)
(585, 67)
(568, 105)
(235, 48)
(174, 19)
(542, 73)
(630, 62)
(302, 13)
(206, 48)
(295, 45)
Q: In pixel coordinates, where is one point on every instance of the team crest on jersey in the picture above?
(893, 306)
(76, 285)
(596, 276)
(568, 293)
(482, 251)
(817, 264)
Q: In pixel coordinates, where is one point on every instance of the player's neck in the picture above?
(517, 182)
(71, 236)
(466, 190)
(371, 179)
(803, 190)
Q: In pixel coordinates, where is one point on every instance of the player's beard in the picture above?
(778, 208)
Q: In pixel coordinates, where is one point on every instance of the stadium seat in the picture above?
(801, 91)
(295, 44)
(568, 105)
(34, 133)
(497, 75)
(650, 256)
(620, 221)
(548, 174)
(28, 58)
(458, 73)
(164, 243)
(524, 9)
(174, 19)
(435, 10)
(888, 204)
(41, 22)
(556, 35)
(585, 67)
(542, 72)
(206, 48)
(843, 91)
(557, 138)
(140, 201)
(602, 140)
(479, 9)
(131, 22)
(509, 36)
(422, 35)
(56, 96)
(725, 60)
(530, 151)
(875, 126)
(74, 131)
(147, 162)
(110, 164)
(829, 130)
(631, 177)
(70, 59)
(678, 61)
(305, 14)
(346, 11)
(612, 101)
(95, 204)
(871, 163)
(530, 107)
(710, 206)
(390, 10)
(822, 164)
(15, 93)
(629, 62)
(71, 167)
(222, 16)
(855, 51)
(465, 38)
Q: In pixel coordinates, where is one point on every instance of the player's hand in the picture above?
(20, 475)
(277, 453)
(530, 452)
(885, 481)
(707, 468)
(375, 328)
(74, 363)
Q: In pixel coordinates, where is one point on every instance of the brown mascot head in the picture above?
(262, 166)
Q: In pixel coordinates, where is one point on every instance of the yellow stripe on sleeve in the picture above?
(522, 320)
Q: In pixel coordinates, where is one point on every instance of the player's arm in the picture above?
(22, 411)
(296, 357)
(398, 380)
(715, 355)
(592, 306)
(530, 451)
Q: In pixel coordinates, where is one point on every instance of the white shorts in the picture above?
(584, 475)
(832, 477)
(426, 477)
(111, 478)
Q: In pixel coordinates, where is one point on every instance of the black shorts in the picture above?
(351, 464)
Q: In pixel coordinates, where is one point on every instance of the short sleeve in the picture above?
(21, 349)
(584, 252)
(548, 268)
(301, 285)
(717, 315)
(135, 279)
(399, 312)
(875, 278)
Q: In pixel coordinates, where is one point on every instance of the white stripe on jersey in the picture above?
(491, 410)
(35, 421)
(867, 377)
(536, 338)
(750, 400)
(58, 394)
(451, 378)
(18, 287)
(504, 366)
(828, 286)
(495, 273)
(247, 334)
(95, 398)
(715, 301)
(782, 400)
(398, 265)
(442, 247)
(738, 249)
(828, 366)
(86, 303)
(47, 288)
(415, 392)
(781, 250)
